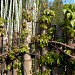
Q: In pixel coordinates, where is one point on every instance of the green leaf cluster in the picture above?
(67, 52)
(53, 58)
(69, 17)
(45, 19)
(24, 33)
(23, 49)
(2, 21)
(43, 40)
(27, 15)
(24, 25)
(50, 58)
(16, 65)
(13, 54)
(47, 72)
(47, 15)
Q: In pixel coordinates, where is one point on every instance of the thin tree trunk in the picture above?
(0, 44)
(15, 44)
(44, 51)
(37, 59)
(4, 73)
(27, 58)
(27, 65)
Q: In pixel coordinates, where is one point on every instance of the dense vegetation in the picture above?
(67, 26)
(56, 31)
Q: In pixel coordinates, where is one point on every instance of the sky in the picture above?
(65, 1)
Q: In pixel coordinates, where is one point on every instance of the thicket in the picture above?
(48, 22)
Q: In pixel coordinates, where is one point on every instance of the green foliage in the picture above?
(72, 61)
(27, 15)
(51, 32)
(8, 68)
(43, 26)
(2, 21)
(50, 58)
(24, 25)
(16, 51)
(46, 16)
(35, 38)
(44, 22)
(67, 52)
(49, 12)
(69, 14)
(1, 58)
(47, 72)
(16, 54)
(15, 65)
(53, 58)
(23, 49)
(24, 33)
(11, 55)
(43, 40)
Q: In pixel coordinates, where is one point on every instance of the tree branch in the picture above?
(62, 44)
(63, 52)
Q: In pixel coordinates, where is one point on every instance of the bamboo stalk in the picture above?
(6, 8)
(1, 8)
(16, 16)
